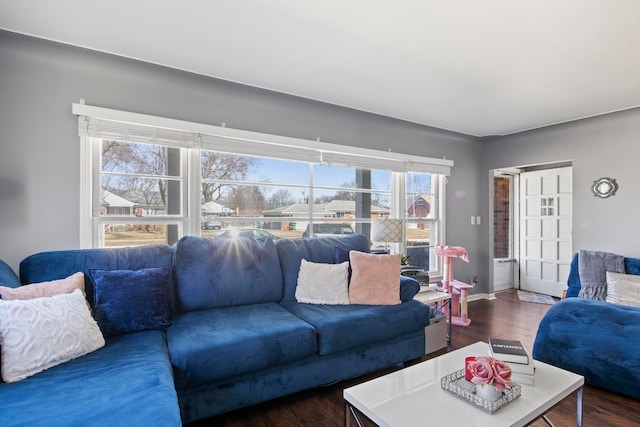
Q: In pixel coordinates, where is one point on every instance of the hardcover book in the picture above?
(521, 368)
(508, 351)
(522, 379)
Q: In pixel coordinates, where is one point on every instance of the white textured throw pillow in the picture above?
(40, 333)
(323, 283)
(623, 289)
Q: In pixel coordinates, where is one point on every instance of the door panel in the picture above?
(545, 237)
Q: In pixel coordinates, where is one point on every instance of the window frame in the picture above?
(186, 137)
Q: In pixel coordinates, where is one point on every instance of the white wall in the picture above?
(39, 146)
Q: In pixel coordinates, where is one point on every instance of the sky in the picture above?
(288, 172)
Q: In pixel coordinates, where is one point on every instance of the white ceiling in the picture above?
(490, 67)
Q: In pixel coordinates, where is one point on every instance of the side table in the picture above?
(440, 300)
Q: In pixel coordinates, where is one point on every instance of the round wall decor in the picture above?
(604, 187)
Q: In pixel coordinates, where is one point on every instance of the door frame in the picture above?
(516, 171)
(514, 244)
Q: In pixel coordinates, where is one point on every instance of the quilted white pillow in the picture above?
(623, 289)
(40, 333)
(323, 283)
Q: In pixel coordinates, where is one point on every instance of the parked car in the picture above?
(211, 225)
(320, 230)
(249, 233)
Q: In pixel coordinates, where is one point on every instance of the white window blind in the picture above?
(133, 127)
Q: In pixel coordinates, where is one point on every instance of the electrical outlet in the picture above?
(478, 220)
(473, 220)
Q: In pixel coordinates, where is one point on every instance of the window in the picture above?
(153, 180)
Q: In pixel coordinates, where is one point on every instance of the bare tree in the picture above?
(248, 199)
(280, 198)
(419, 183)
(132, 160)
(128, 161)
(222, 167)
(338, 195)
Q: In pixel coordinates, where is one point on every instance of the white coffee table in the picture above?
(413, 396)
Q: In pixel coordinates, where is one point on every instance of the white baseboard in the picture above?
(476, 297)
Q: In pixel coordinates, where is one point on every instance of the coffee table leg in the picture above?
(449, 302)
(579, 408)
(347, 415)
(351, 412)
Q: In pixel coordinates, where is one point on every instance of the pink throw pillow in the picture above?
(375, 279)
(44, 289)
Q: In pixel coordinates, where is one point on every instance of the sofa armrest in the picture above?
(409, 287)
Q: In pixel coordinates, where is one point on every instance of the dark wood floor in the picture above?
(505, 316)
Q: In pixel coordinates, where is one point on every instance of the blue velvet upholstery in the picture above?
(409, 287)
(214, 344)
(596, 339)
(131, 300)
(292, 251)
(344, 327)
(231, 344)
(342, 255)
(45, 266)
(632, 266)
(213, 272)
(126, 383)
(573, 282)
(276, 381)
(8, 277)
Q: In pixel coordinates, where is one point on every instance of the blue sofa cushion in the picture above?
(315, 249)
(126, 383)
(342, 255)
(214, 344)
(215, 272)
(7, 276)
(631, 265)
(45, 266)
(341, 327)
(595, 339)
(131, 300)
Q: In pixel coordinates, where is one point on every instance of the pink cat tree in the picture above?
(457, 289)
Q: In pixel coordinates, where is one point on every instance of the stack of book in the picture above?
(522, 366)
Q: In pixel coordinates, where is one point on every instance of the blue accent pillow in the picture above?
(342, 255)
(131, 300)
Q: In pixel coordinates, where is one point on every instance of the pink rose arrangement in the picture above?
(487, 370)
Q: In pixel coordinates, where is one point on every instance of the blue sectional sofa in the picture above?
(237, 335)
(596, 339)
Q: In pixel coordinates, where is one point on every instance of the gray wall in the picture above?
(604, 146)
(39, 146)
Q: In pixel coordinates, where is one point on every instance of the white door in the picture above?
(545, 230)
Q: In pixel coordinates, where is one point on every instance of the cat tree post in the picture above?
(457, 289)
